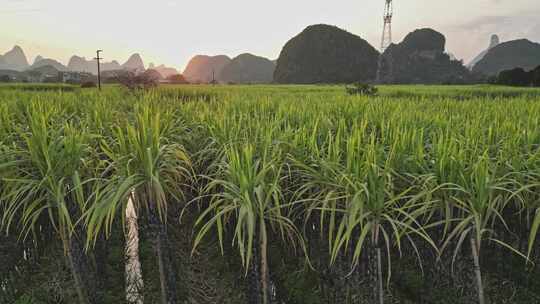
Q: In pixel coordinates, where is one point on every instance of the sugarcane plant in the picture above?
(49, 182)
(246, 195)
(151, 171)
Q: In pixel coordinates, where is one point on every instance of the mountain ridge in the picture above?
(519, 53)
(248, 68)
(324, 53)
(420, 58)
(205, 68)
(494, 41)
(16, 60)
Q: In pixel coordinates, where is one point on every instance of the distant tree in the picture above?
(33, 76)
(177, 79)
(151, 75)
(515, 77)
(133, 82)
(536, 77)
(361, 89)
(5, 78)
(492, 80)
(113, 76)
(51, 79)
(88, 77)
(88, 84)
(454, 80)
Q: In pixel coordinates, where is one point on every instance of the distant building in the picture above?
(70, 77)
(33, 77)
(75, 77)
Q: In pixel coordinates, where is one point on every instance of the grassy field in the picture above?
(272, 194)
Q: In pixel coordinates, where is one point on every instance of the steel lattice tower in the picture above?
(386, 39)
(387, 27)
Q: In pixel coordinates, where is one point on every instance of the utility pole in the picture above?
(98, 68)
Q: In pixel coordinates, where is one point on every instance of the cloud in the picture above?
(534, 32)
(22, 10)
(20, 6)
(485, 21)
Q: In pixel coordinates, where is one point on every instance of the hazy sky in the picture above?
(172, 31)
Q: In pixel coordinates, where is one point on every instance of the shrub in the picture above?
(88, 84)
(536, 77)
(361, 89)
(177, 79)
(25, 299)
(133, 82)
(515, 77)
(519, 77)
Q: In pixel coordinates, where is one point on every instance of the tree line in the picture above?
(518, 77)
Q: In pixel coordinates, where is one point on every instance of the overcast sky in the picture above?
(172, 31)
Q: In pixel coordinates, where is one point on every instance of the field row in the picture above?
(343, 185)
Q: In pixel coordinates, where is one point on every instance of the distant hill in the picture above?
(163, 70)
(10, 73)
(248, 68)
(421, 58)
(15, 59)
(493, 42)
(81, 64)
(45, 69)
(36, 74)
(201, 67)
(508, 55)
(38, 58)
(326, 54)
(107, 66)
(41, 62)
(134, 63)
